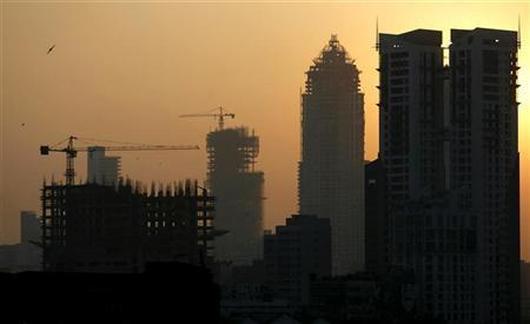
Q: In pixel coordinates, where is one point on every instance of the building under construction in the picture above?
(100, 228)
(238, 189)
(331, 170)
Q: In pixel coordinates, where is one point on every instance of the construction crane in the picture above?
(71, 152)
(220, 116)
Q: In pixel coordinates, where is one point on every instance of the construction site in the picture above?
(110, 225)
(238, 189)
(98, 228)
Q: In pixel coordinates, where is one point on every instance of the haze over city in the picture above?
(126, 71)
(265, 162)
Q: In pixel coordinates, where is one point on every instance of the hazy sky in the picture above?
(126, 70)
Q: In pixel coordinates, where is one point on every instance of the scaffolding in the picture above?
(232, 150)
(238, 188)
(331, 167)
(102, 228)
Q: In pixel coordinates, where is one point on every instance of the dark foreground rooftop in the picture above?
(168, 293)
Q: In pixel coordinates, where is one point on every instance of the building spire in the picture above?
(333, 52)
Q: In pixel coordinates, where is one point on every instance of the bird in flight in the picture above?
(51, 49)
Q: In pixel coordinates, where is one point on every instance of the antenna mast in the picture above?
(519, 31)
(377, 33)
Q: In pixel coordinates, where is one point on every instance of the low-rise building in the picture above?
(298, 251)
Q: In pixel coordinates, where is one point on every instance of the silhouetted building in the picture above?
(238, 189)
(26, 255)
(485, 161)
(525, 292)
(449, 150)
(377, 236)
(345, 298)
(96, 228)
(412, 156)
(9, 257)
(244, 283)
(366, 298)
(299, 250)
(102, 169)
(30, 230)
(20, 257)
(165, 292)
(436, 239)
(331, 170)
(411, 115)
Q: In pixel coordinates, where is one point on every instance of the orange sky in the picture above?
(126, 71)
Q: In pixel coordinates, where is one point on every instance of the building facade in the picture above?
(377, 247)
(485, 161)
(450, 156)
(331, 169)
(411, 114)
(298, 251)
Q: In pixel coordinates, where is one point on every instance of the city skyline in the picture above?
(30, 112)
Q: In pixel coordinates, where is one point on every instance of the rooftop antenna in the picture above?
(333, 40)
(377, 33)
(519, 31)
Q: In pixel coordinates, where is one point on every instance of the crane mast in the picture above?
(219, 115)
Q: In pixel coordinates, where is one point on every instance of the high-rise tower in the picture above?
(238, 190)
(331, 170)
(450, 158)
(410, 114)
(485, 162)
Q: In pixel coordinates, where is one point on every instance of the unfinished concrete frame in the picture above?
(118, 228)
(238, 189)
